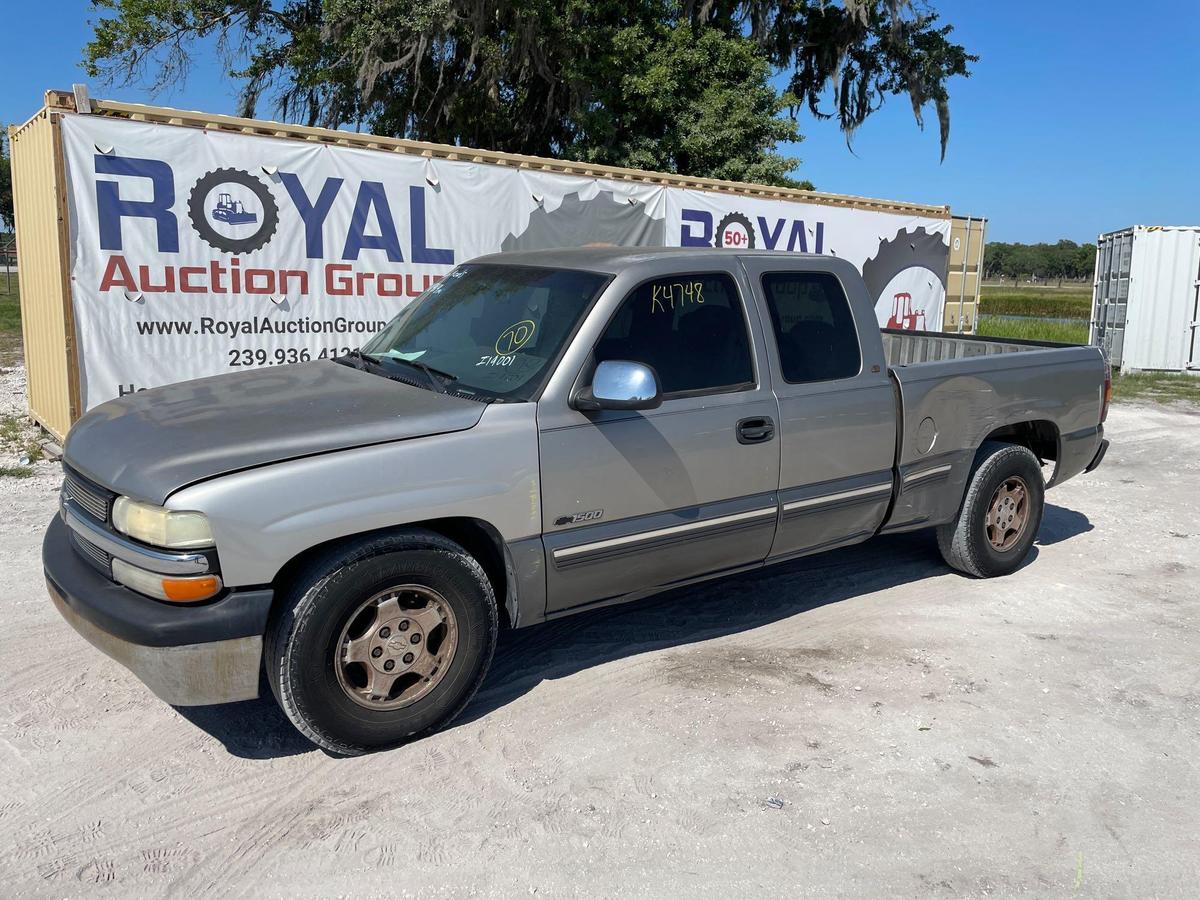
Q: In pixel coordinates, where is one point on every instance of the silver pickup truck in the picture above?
(539, 434)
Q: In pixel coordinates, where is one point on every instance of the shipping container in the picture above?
(968, 235)
(1145, 300)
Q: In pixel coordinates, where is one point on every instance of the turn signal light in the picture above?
(165, 587)
(189, 590)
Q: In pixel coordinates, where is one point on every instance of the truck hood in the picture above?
(152, 443)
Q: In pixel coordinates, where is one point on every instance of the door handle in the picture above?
(757, 430)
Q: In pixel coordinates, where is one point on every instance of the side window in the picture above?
(689, 328)
(813, 326)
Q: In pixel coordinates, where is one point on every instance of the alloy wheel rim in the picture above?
(396, 647)
(1008, 514)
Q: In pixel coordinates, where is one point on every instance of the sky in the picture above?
(1080, 117)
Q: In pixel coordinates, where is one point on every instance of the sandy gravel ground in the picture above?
(859, 724)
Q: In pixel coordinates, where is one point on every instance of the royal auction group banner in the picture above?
(199, 252)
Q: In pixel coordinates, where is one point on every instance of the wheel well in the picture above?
(1039, 435)
(475, 536)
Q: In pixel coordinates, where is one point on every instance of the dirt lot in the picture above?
(863, 723)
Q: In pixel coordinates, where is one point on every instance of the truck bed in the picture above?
(955, 390)
(906, 348)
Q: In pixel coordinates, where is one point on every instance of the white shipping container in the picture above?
(1146, 298)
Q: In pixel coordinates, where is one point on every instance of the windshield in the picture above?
(490, 329)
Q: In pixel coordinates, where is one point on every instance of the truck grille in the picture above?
(93, 554)
(95, 500)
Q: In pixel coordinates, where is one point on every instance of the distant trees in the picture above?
(6, 193)
(1041, 262)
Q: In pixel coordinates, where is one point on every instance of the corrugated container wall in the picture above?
(1146, 298)
(48, 329)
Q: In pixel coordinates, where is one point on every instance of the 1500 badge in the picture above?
(590, 516)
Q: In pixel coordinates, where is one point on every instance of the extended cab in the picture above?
(539, 434)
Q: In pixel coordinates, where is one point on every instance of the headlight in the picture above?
(171, 528)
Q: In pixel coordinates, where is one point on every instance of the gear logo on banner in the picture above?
(736, 232)
(601, 220)
(233, 211)
(906, 276)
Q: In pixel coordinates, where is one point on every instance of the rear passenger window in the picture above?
(813, 326)
(689, 328)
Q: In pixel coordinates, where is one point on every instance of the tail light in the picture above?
(1107, 391)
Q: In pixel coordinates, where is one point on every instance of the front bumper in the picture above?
(187, 655)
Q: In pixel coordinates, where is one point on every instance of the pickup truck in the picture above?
(539, 434)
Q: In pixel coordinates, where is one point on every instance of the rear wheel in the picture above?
(382, 641)
(1000, 514)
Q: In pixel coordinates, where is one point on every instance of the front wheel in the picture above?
(383, 641)
(1000, 515)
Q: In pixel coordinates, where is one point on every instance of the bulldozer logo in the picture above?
(232, 211)
(903, 316)
(214, 199)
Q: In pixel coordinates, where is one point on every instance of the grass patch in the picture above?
(10, 429)
(10, 305)
(1055, 303)
(1033, 330)
(14, 438)
(16, 471)
(1157, 387)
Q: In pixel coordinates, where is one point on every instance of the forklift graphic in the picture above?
(231, 211)
(903, 316)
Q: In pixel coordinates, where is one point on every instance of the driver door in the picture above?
(633, 501)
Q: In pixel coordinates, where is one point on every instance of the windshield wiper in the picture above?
(368, 362)
(357, 359)
(437, 378)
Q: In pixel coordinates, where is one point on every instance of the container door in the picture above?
(1193, 360)
(1110, 298)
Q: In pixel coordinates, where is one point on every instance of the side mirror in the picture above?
(620, 384)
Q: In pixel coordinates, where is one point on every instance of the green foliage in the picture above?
(694, 101)
(10, 429)
(19, 435)
(1064, 259)
(1039, 302)
(6, 190)
(1159, 387)
(10, 305)
(16, 471)
(659, 84)
(1033, 330)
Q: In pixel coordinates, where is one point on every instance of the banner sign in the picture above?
(198, 252)
(903, 259)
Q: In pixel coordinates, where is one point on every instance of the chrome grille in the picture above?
(94, 499)
(93, 554)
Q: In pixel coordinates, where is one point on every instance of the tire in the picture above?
(966, 543)
(308, 640)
